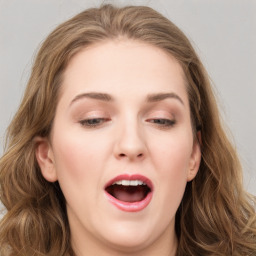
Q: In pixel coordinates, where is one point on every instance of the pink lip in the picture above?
(134, 206)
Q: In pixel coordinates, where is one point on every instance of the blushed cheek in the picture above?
(79, 157)
(175, 173)
(174, 155)
(172, 166)
(71, 158)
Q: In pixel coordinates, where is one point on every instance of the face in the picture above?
(122, 146)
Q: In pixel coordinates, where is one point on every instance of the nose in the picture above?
(130, 143)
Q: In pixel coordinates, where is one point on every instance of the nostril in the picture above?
(124, 155)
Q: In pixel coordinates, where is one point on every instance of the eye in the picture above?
(162, 122)
(93, 122)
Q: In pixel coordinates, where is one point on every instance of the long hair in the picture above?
(216, 216)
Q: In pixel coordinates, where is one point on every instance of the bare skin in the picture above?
(123, 110)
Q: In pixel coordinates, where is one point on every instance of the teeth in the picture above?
(129, 182)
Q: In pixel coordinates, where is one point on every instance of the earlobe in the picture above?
(195, 159)
(45, 159)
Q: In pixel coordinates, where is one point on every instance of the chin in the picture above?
(128, 243)
(129, 237)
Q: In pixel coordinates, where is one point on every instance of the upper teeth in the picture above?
(129, 182)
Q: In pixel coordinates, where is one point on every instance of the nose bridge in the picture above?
(130, 140)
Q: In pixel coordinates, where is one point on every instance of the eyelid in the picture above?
(93, 118)
(93, 122)
(161, 119)
(162, 122)
(94, 114)
(160, 114)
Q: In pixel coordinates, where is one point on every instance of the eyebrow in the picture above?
(162, 96)
(108, 98)
(93, 95)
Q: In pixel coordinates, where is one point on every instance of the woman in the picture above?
(117, 147)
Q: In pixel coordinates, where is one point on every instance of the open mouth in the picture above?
(129, 193)
(129, 190)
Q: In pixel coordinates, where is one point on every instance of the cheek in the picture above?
(79, 168)
(172, 153)
(172, 169)
(77, 160)
(171, 159)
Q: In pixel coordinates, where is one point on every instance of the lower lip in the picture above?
(130, 207)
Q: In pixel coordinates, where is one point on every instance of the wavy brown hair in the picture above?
(216, 215)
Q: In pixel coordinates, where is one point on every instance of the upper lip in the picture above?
(139, 177)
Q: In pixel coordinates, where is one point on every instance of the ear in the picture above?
(45, 158)
(195, 158)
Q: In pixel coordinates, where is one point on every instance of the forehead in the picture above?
(121, 66)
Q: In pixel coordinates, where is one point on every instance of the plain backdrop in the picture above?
(223, 33)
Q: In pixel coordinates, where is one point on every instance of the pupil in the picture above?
(94, 121)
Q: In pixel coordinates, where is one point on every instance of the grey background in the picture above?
(222, 31)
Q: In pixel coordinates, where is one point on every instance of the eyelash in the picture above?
(163, 122)
(96, 122)
(93, 122)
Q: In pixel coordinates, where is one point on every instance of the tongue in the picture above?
(128, 193)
